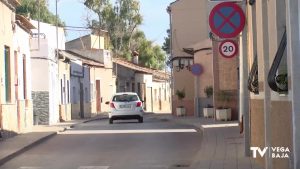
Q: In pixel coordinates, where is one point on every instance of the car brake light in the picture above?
(112, 105)
(138, 104)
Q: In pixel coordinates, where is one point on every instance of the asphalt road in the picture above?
(154, 144)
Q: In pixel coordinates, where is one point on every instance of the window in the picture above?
(87, 98)
(92, 91)
(16, 76)
(165, 93)
(74, 95)
(125, 98)
(133, 87)
(7, 74)
(68, 91)
(139, 89)
(127, 86)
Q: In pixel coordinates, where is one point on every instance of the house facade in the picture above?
(45, 82)
(15, 99)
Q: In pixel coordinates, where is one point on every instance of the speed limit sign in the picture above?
(228, 48)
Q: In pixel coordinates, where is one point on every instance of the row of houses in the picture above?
(263, 78)
(46, 80)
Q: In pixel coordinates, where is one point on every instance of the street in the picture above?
(155, 144)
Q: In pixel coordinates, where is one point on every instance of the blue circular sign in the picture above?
(197, 69)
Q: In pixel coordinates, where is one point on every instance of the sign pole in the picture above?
(197, 112)
(197, 70)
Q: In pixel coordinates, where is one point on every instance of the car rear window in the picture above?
(125, 98)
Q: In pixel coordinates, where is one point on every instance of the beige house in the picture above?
(92, 51)
(90, 83)
(188, 24)
(15, 88)
(273, 61)
(152, 86)
(64, 69)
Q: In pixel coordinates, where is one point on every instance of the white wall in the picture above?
(22, 46)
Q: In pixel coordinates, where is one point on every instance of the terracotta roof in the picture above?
(11, 4)
(156, 73)
(24, 23)
(75, 56)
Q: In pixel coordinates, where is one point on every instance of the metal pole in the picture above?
(244, 93)
(267, 92)
(293, 40)
(197, 96)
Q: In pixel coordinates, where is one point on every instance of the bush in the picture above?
(208, 91)
(180, 94)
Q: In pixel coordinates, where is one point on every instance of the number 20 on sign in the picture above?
(228, 48)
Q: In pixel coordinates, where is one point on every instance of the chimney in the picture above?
(135, 57)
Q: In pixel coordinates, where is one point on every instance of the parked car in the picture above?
(125, 105)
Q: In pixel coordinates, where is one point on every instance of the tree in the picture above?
(38, 12)
(166, 44)
(122, 21)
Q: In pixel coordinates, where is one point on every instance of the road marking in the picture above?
(81, 167)
(93, 167)
(220, 125)
(128, 131)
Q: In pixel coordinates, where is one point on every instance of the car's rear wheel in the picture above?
(141, 120)
(110, 121)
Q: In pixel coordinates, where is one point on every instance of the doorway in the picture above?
(81, 101)
(98, 96)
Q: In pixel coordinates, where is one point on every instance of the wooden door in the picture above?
(98, 95)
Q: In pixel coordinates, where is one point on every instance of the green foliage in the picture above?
(122, 21)
(208, 91)
(166, 44)
(224, 97)
(31, 8)
(180, 94)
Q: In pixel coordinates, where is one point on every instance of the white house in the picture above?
(45, 82)
(22, 80)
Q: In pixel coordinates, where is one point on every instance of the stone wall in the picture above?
(41, 106)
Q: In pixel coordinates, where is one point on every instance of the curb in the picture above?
(25, 148)
(86, 121)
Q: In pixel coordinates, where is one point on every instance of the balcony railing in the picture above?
(278, 82)
(253, 78)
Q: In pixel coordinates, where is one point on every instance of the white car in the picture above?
(125, 105)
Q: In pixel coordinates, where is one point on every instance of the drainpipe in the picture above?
(169, 10)
(244, 93)
(267, 91)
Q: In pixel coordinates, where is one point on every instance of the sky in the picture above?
(155, 24)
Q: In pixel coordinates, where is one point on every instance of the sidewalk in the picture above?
(16, 145)
(222, 146)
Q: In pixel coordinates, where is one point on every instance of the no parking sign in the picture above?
(227, 20)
